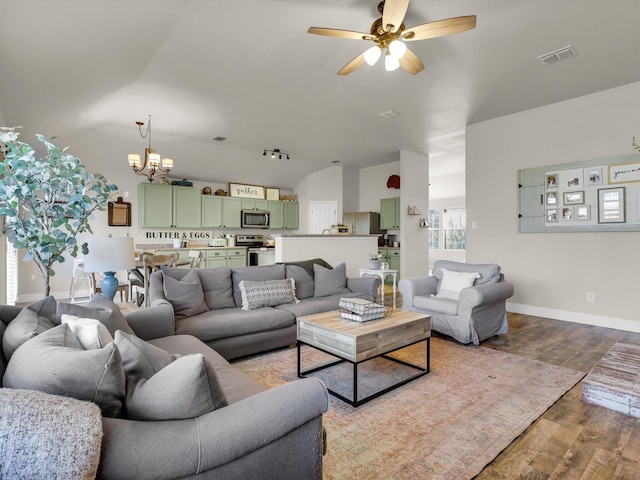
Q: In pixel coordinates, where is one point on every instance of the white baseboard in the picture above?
(61, 295)
(576, 317)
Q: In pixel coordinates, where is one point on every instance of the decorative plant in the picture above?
(47, 201)
(636, 146)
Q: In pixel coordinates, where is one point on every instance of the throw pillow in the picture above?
(330, 281)
(89, 331)
(452, 283)
(254, 274)
(267, 294)
(304, 280)
(184, 294)
(140, 359)
(55, 362)
(31, 321)
(186, 388)
(100, 308)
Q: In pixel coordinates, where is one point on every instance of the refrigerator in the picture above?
(363, 223)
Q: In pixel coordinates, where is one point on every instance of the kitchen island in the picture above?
(354, 250)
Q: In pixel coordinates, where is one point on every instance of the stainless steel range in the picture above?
(258, 253)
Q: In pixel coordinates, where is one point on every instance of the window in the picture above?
(434, 229)
(455, 228)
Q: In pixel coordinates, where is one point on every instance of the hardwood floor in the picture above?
(573, 439)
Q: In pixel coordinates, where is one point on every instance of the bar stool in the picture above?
(77, 274)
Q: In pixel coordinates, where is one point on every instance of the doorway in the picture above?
(322, 215)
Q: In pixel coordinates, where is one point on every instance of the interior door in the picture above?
(322, 215)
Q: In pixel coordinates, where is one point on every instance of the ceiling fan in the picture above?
(389, 34)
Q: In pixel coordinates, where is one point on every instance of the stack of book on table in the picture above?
(360, 309)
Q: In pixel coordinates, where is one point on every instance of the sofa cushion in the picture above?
(267, 294)
(89, 331)
(140, 359)
(489, 272)
(31, 321)
(330, 281)
(217, 286)
(231, 322)
(453, 283)
(184, 293)
(100, 308)
(254, 274)
(304, 281)
(55, 362)
(435, 304)
(186, 388)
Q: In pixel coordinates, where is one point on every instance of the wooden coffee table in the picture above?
(357, 342)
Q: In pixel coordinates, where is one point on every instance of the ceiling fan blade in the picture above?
(393, 14)
(334, 32)
(352, 65)
(439, 28)
(411, 63)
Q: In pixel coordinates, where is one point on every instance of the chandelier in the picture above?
(152, 159)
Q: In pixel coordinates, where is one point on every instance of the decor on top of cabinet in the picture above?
(289, 198)
(151, 158)
(182, 183)
(246, 191)
(273, 193)
(221, 193)
(206, 191)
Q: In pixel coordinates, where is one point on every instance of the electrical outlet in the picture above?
(591, 297)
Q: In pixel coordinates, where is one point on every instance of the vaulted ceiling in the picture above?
(247, 70)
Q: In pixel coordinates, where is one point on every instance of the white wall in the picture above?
(552, 272)
(319, 186)
(373, 185)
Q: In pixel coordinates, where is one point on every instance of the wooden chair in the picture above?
(151, 263)
(94, 286)
(196, 258)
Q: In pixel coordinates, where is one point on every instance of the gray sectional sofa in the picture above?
(208, 302)
(154, 421)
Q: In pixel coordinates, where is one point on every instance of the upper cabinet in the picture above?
(163, 206)
(390, 213)
(168, 206)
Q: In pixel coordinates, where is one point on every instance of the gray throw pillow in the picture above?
(304, 280)
(31, 321)
(140, 359)
(100, 308)
(254, 274)
(184, 294)
(54, 362)
(330, 282)
(186, 388)
(267, 294)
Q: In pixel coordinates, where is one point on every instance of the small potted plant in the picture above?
(374, 258)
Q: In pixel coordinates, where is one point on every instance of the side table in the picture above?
(382, 274)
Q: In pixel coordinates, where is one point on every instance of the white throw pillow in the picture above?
(90, 332)
(452, 283)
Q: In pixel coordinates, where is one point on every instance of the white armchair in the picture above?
(466, 301)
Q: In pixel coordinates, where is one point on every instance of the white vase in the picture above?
(373, 264)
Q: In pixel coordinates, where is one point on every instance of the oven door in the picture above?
(255, 218)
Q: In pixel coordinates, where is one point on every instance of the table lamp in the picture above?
(109, 255)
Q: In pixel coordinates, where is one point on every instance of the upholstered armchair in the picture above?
(466, 301)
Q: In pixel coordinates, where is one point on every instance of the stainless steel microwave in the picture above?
(255, 219)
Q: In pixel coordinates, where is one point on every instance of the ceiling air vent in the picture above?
(557, 55)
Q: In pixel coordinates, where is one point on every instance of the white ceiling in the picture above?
(246, 70)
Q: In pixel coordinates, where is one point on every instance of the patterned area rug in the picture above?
(448, 424)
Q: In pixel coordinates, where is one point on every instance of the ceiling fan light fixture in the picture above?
(391, 63)
(397, 49)
(372, 55)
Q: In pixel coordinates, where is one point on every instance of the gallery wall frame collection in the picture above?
(589, 196)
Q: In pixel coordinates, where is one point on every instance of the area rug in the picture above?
(448, 424)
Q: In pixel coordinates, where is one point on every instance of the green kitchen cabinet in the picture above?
(236, 257)
(276, 208)
(390, 213)
(291, 215)
(254, 204)
(168, 206)
(212, 209)
(231, 212)
(186, 207)
(392, 257)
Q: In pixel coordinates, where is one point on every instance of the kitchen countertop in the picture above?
(303, 235)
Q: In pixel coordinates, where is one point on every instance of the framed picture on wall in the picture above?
(551, 180)
(552, 198)
(571, 178)
(567, 214)
(593, 176)
(583, 212)
(552, 215)
(573, 198)
(611, 205)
